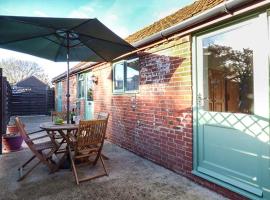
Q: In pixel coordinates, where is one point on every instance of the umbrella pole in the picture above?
(68, 95)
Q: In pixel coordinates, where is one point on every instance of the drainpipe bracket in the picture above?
(226, 9)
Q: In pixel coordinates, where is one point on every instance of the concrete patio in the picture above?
(130, 177)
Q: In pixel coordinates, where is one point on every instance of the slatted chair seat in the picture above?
(44, 145)
(87, 142)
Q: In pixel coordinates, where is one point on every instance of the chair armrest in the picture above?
(35, 132)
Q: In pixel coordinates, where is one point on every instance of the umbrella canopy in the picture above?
(61, 39)
(89, 39)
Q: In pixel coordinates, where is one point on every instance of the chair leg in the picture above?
(73, 167)
(48, 160)
(103, 164)
(104, 157)
(27, 162)
(97, 176)
(28, 172)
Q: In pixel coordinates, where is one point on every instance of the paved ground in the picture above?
(130, 177)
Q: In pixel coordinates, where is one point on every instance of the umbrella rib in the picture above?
(54, 41)
(98, 54)
(26, 22)
(80, 24)
(28, 38)
(76, 44)
(58, 50)
(117, 43)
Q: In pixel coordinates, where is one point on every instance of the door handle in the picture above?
(201, 99)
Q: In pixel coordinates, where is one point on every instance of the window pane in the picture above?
(132, 82)
(228, 71)
(81, 86)
(119, 76)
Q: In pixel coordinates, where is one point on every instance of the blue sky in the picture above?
(124, 17)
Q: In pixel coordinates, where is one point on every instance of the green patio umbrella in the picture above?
(61, 39)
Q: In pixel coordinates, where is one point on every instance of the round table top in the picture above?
(53, 127)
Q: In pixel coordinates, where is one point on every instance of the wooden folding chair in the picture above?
(43, 151)
(88, 142)
(103, 115)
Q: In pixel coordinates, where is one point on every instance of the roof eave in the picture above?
(222, 8)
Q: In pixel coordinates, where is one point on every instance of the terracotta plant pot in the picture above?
(12, 129)
(12, 142)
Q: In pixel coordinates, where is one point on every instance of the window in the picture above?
(228, 70)
(126, 76)
(81, 86)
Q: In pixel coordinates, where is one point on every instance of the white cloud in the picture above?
(165, 13)
(82, 12)
(107, 17)
(39, 13)
(78, 14)
(87, 8)
(112, 21)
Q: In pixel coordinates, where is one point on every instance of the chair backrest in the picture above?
(91, 132)
(102, 115)
(23, 132)
(62, 115)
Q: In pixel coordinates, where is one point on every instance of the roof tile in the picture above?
(173, 19)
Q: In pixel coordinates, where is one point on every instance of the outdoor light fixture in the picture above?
(94, 79)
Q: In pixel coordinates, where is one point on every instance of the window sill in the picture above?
(126, 92)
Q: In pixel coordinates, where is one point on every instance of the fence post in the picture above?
(2, 121)
(46, 101)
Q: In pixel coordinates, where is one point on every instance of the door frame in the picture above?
(86, 76)
(195, 63)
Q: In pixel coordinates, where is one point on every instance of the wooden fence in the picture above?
(5, 96)
(32, 102)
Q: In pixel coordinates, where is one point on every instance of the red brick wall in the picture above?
(156, 122)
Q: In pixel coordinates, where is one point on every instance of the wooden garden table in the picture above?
(64, 130)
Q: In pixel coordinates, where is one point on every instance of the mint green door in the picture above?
(59, 96)
(231, 108)
(89, 103)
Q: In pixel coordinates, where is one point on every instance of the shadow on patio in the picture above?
(130, 177)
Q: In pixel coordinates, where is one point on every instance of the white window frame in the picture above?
(124, 90)
(81, 77)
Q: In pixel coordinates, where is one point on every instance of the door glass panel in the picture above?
(81, 86)
(228, 71)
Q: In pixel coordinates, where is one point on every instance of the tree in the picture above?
(16, 70)
(237, 66)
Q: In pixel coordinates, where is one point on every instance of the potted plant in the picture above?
(12, 140)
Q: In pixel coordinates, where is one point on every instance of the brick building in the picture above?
(193, 98)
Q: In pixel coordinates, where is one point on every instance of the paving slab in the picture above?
(130, 178)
